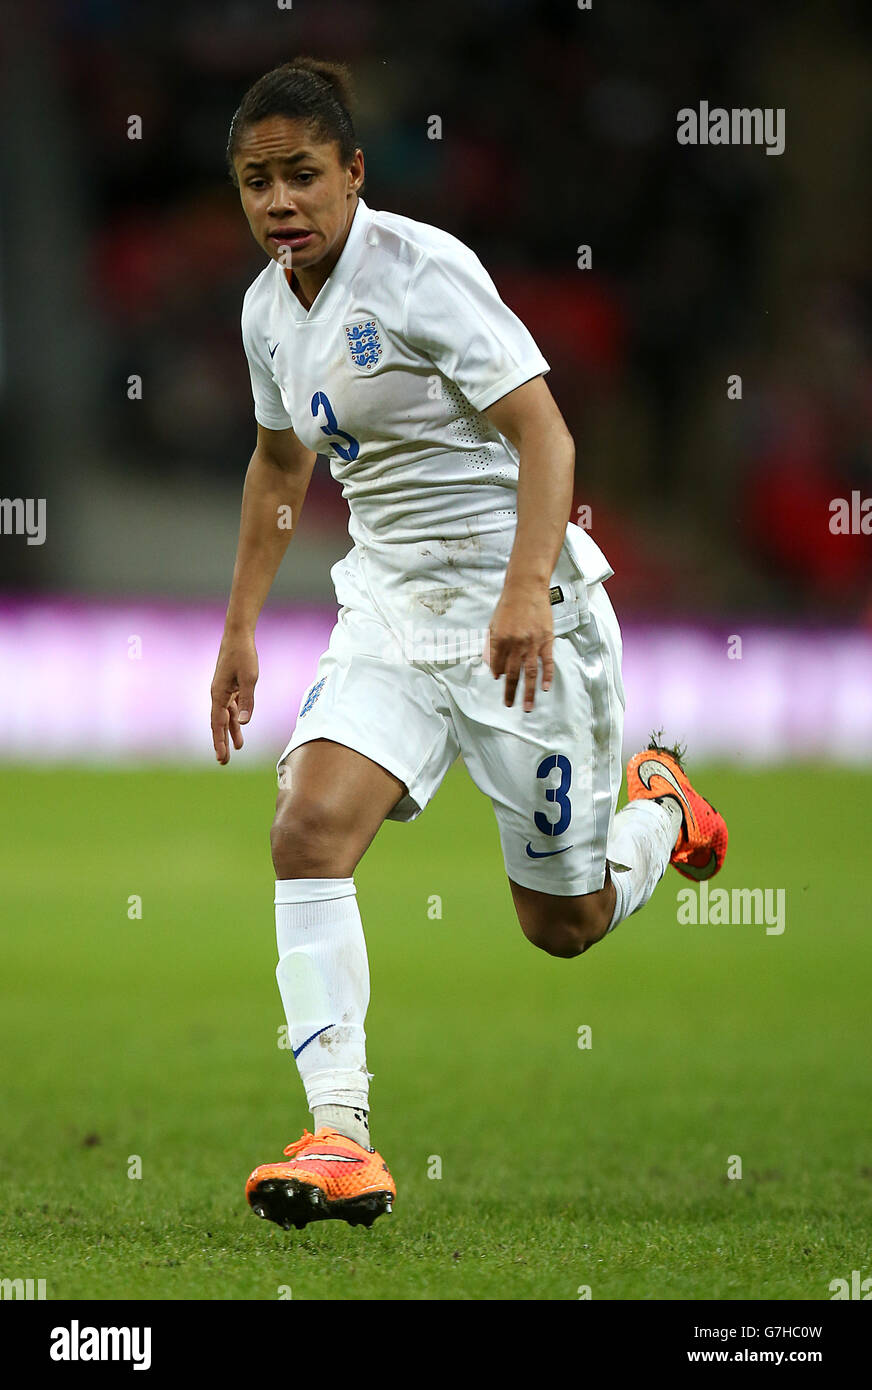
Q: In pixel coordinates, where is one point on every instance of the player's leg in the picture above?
(604, 874)
(564, 926)
(666, 821)
(330, 805)
(553, 775)
(634, 858)
(331, 801)
(368, 745)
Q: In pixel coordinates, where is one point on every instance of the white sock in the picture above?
(323, 978)
(641, 840)
(351, 1122)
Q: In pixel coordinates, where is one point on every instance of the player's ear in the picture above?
(356, 171)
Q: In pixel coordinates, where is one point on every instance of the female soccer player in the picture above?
(383, 342)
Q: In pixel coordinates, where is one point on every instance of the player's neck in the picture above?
(308, 282)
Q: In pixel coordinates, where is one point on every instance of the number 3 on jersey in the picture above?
(349, 453)
(559, 794)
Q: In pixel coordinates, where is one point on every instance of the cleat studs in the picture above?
(259, 1211)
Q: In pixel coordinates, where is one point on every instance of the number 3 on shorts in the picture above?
(558, 794)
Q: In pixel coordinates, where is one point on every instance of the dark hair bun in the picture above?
(336, 75)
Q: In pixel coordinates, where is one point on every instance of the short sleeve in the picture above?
(454, 314)
(269, 408)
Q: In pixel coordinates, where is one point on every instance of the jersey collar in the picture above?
(339, 277)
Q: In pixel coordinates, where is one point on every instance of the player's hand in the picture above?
(521, 634)
(233, 685)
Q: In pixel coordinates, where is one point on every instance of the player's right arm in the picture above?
(275, 485)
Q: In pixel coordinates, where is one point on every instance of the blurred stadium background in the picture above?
(151, 1031)
(123, 257)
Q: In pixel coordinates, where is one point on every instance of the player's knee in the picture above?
(307, 839)
(568, 931)
(566, 940)
(556, 941)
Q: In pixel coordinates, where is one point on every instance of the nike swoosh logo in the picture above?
(545, 854)
(273, 351)
(331, 1158)
(298, 1050)
(694, 871)
(651, 768)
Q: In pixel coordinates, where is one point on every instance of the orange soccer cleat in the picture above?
(702, 842)
(327, 1175)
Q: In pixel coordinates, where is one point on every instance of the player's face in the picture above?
(296, 194)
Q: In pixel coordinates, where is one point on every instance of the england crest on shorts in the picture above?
(364, 343)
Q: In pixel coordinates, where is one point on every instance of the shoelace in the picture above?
(300, 1143)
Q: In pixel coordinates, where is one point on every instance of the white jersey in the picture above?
(388, 373)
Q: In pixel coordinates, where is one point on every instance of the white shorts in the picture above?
(553, 774)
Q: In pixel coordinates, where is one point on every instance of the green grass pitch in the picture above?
(562, 1168)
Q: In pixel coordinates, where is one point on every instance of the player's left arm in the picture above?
(522, 628)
